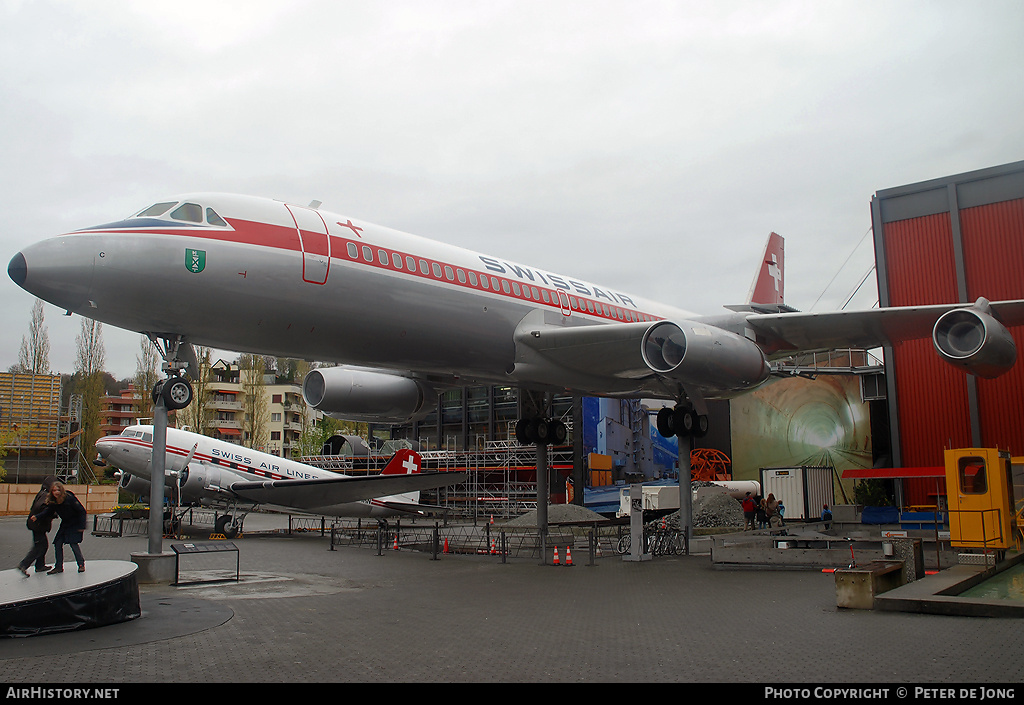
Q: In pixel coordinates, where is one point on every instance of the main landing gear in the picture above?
(541, 431)
(682, 421)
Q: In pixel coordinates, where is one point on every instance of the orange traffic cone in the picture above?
(568, 555)
(493, 551)
(556, 556)
(396, 542)
(446, 544)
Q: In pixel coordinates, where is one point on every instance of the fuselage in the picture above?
(263, 276)
(213, 465)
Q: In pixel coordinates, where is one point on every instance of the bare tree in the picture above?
(89, 380)
(34, 355)
(257, 412)
(196, 415)
(147, 372)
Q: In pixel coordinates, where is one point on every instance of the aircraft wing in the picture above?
(790, 332)
(324, 492)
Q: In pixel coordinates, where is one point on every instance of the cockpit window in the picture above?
(157, 209)
(127, 432)
(213, 219)
(190, 212)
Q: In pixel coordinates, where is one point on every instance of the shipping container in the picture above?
(803, 490)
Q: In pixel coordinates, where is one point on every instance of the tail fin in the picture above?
(768, 286)
(403, 462)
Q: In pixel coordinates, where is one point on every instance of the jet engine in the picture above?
(703, 355)
(364, 395)
(973, 340)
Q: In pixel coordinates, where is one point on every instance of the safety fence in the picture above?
(589, 541)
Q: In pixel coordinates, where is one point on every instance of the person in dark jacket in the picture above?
(40, 544)
(65, 504)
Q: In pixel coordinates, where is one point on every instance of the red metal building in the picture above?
(950, 240)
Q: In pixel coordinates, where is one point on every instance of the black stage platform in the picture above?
(106, 593)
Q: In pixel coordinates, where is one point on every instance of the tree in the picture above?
(147, 372)
(34, 355)
(196, 415)
(89, 379)
(257, 412)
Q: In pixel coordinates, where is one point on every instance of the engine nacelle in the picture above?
(133, 485)
(363, 395)
(197, 478)
(701, 355)
(974, 341)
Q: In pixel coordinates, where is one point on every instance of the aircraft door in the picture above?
(315, 243)
(563, 302)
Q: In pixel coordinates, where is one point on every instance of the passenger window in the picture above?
(367, 253)
(213, 219)
(449, 274)
(382, 257)
(353, 250)
(157, 209)
(437, 270)
(462, 277)
(424, 267)
(189, 212)
(397, 261)
(410, 264)
(472, 278)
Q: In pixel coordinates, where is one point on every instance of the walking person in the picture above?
(65, 504)
(39, 529)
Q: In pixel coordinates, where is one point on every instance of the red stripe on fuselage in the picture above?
(247, 232)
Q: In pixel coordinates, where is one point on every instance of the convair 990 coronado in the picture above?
(407, 316)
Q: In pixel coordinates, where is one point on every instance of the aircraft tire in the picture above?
(684, 421)
(225, 526)
(557, 432)
(700, 428)
(177, 393)
(665, 424)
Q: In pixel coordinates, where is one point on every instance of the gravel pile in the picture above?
(557, 514)
(710, 510)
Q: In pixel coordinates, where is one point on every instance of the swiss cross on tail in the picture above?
(403, 462)
(768, 287)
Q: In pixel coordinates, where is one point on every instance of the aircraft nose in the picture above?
(104, 446)
(18, 269)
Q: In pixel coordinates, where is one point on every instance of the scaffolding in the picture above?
(501, 475)
(42, 440)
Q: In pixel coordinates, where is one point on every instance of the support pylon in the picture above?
(568, 555)
(556, 556)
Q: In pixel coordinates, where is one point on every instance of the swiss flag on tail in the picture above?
(403, 462)
(768, 286)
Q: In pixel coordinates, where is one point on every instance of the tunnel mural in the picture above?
(799, 421)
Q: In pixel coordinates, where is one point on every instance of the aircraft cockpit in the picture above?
(186, 212)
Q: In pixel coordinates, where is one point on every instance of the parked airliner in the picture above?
(407, 316)
(209, 472)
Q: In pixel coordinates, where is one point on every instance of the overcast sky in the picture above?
(647, 146)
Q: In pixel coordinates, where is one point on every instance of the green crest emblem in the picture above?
(195, 260)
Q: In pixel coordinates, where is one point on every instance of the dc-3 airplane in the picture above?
(209, 472)
(409, 316)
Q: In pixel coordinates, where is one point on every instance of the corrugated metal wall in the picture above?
(945, 241)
